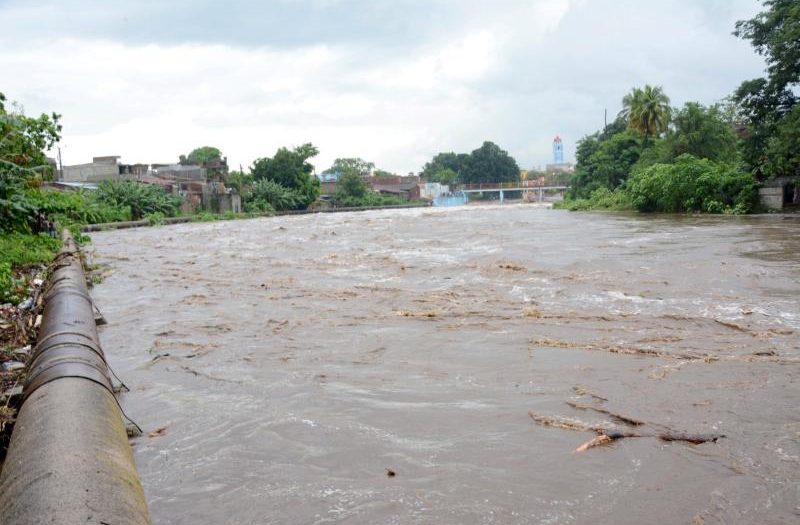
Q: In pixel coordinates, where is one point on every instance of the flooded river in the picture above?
(398, 366)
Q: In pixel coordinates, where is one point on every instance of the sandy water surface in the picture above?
(292, 362)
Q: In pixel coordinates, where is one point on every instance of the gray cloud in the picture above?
(391, 81)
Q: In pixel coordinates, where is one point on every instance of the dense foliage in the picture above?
(354, 164)
(351, 184)
(291, 169)
(139, 199)
(783, 147)
(23, 163)
(352, 191)
(489, 163)
(692, 166)
(599, 199)
(23, 166)
(267, 195)
(370, 199)
(701, 131)
(445, 167)
(766, 105)
(237, 180)
(693, 185)
(690, 159)
(70, 208)
(604, 160)
(201, 155)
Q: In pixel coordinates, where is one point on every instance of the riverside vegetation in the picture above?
(31, 214)
(655, 158)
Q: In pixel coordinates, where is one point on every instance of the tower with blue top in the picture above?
(558, 151)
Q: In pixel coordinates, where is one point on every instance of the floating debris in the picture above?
(430, 314)
(157, 432)
(512, 267)
(607, 433)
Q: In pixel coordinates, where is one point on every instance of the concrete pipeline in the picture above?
(69, 460)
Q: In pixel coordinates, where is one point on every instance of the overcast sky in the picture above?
(390, 81)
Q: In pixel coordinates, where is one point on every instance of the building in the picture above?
(397, 185)
(100, 169)
(189, 172)
(780, 193)
(406, 187)
(433, 190)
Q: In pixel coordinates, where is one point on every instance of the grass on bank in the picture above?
(19, 251)
(600, 199)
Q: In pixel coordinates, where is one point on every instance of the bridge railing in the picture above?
(537, 183)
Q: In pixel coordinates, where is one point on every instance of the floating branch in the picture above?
(616, 417)
(608, 434)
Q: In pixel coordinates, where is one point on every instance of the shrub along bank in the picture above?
(688, 185)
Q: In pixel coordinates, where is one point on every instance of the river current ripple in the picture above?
(285, 366)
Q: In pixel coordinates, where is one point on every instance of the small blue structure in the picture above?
(451, 199)
(558, 151)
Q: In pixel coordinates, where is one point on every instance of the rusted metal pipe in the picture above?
(69, 460)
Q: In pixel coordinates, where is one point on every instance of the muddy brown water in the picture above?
(286, 365)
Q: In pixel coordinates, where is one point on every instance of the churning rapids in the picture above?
(383, 367)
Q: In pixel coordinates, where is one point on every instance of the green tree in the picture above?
(763, 102)
(647, 110)
(782, 156)
(455, 162)
(701, 131)
(237, 180)
(290, 169)
(355, 164)
(201, 155)
(605, 161)
(775, 34)
(23, 161)
(351, 184)
(444, 176)
(490, 163)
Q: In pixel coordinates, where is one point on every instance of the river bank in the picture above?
(18, 327)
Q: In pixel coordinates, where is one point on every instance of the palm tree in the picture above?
(647, 110)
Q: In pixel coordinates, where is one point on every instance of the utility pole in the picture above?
(605, 119)
(60, 166)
